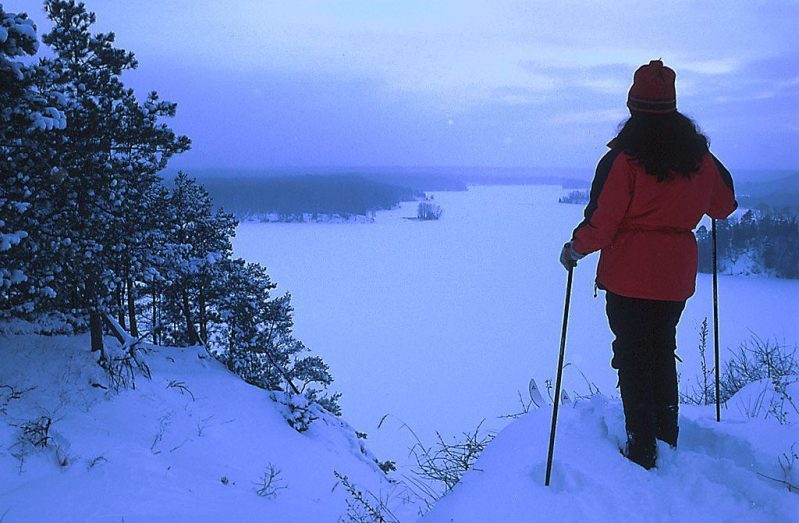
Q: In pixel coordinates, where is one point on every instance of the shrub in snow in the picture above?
(756, 360)
(704, 391)
(122, 361)
(37, 434)
(428, 211)
(789, 464)
(9, 394)
(444, 463)
(181, 387)
(301, 411)
(364, 507)
(759, 374)
(270, 483)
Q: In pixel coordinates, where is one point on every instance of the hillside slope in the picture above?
(190, 444)
(717, 473)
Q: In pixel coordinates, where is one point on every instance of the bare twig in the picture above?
(180, 386)
(364, 507)
(270, 483)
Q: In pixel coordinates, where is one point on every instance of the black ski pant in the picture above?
(643, 353)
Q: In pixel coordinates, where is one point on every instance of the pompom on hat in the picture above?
(653, 89)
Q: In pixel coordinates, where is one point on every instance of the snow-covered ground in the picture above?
(720, 472)
(191, 444)
(439, 324)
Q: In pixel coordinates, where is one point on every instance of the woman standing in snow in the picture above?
(649, 193)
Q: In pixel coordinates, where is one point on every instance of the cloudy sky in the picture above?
(448, 83)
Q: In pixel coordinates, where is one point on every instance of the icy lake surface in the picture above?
(440, 324)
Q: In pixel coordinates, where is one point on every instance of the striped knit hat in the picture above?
(653, 89)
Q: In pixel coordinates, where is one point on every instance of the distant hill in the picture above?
(780, 193)
(299, 194)
(292, 196)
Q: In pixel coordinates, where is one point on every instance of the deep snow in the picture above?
(161, 452)
(441, 323)
(716, 473)
(191, 443)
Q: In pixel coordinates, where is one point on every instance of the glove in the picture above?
(569, 257)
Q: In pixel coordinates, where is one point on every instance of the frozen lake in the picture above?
(439, 324)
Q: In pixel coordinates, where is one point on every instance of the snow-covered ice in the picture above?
(441, 323)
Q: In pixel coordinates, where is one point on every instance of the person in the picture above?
(649, 193)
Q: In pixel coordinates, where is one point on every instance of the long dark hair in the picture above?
(663, 144)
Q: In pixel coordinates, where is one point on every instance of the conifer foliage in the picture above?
(768, 242)
(29, 118)
(90, 231)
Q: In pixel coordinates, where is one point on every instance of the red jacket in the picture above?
(644, 228)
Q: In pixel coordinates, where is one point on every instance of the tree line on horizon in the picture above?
(90, 232)
(291, 197)
(768, 238)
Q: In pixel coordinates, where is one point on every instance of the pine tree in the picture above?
(142, 149)
(86, 223)
(256, 340)
(29, 116)
(109, 156)
(199, 239)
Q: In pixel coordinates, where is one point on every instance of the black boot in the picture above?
(667, 427)
(639, 414)
(640, 452)
(665, 376)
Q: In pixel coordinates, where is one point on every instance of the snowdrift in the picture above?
(191, 444)
(724, 471)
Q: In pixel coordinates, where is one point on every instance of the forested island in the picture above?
(320, 195)
(578, 197)
(309, 197)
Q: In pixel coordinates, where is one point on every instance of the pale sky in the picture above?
(415, 83)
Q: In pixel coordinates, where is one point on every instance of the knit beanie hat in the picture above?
(653, 89)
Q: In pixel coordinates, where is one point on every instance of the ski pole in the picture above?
(716, 318)
(559, 375)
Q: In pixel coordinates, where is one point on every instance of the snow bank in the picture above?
(718, 472)
(192, 443)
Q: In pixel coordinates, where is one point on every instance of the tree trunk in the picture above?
(96, 331)
(202, 316)
(120, 305)
(120, 335)
(95, 320)
(155, 323)
(134, 327)
(191, 331)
